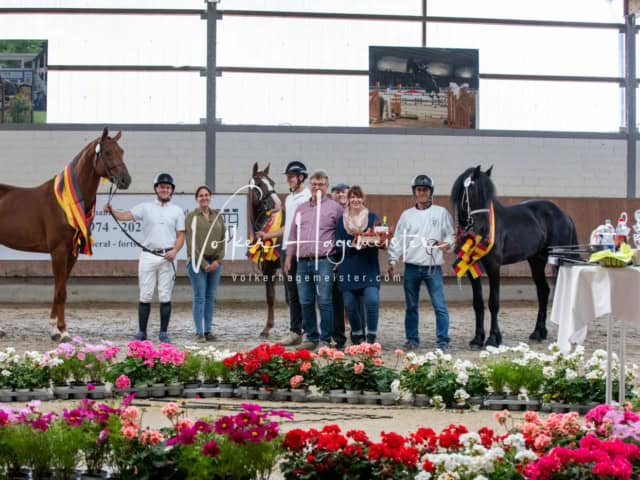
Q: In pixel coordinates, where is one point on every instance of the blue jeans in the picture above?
(291, 292)
(414, 275)
(316, 285)
(353, 304)
(204, 286)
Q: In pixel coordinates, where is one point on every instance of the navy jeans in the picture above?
(353, 304)
(316, 285)
(204, 285)
(414, 275)
(291, 292)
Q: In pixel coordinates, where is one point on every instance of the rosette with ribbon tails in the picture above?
(473, 247)
(266, 250)
(69, 197)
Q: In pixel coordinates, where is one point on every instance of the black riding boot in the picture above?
(165, 316)
(143, 320)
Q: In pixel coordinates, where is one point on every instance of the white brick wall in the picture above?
(31, 157)
(381, 163)
(523, 166)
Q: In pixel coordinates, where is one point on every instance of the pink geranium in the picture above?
(123, 382)
(296, 380)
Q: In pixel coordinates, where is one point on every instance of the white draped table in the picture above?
(584, 293)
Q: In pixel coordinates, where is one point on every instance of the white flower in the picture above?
(468, 439)
(451, 475)
(5, 373)
(595, 375)
(570, 374)
(423, 476)
(395, 389)
(523, 395)
(438, 402)
(411, 357)
(484, 354)
(460, 396)
(548, 372)
(462, 378)
(526, 456)
(480, 477)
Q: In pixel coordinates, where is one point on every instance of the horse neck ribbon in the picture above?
(69, 197)
(472, 248)
(266, 250)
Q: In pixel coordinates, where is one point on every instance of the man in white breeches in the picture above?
(163, 230)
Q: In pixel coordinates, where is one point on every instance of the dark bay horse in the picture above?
(522, 232)
(265, 216)
(33, 220)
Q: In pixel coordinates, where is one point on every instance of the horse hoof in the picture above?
(55, 337)
(537, 336)
(264, 334)
(2, 334)
(65, 337)
(476, 343)
(492, 342)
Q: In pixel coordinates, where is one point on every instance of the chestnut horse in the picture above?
(264, 212)
(34, 221)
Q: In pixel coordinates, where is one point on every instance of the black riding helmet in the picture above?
(164, 178)
(422, 181)
(296, 168)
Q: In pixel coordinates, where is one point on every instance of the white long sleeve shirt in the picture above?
(417, 231)
(291, 204)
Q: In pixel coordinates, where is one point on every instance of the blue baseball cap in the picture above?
(339, 187)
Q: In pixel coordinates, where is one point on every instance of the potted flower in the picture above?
(387, 380)
(25, 441)
(415, 378)
(7, 358)
(361, 368)
(191, 369)
(331, 376)
(65, 441)
(246, 445)
(28, 373)
(144, 366)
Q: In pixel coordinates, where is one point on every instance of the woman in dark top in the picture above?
(358, 268)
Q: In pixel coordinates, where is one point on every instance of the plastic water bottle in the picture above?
(622, 230)
(608, 235)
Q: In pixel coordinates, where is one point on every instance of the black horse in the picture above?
(522, 232)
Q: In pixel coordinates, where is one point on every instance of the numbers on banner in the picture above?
(131, 227)
(99, 226)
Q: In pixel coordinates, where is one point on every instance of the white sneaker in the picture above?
(292, 339)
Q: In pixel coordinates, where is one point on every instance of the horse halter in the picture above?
(466, 204)
(266, 200)
(110, 176)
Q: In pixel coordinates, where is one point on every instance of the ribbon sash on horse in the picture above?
(69, 197)
(266, 250)
(473, 248)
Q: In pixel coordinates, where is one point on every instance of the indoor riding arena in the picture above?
(491, 153)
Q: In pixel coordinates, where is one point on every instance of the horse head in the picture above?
(471, 194)
(263, 194)
(109, 160)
